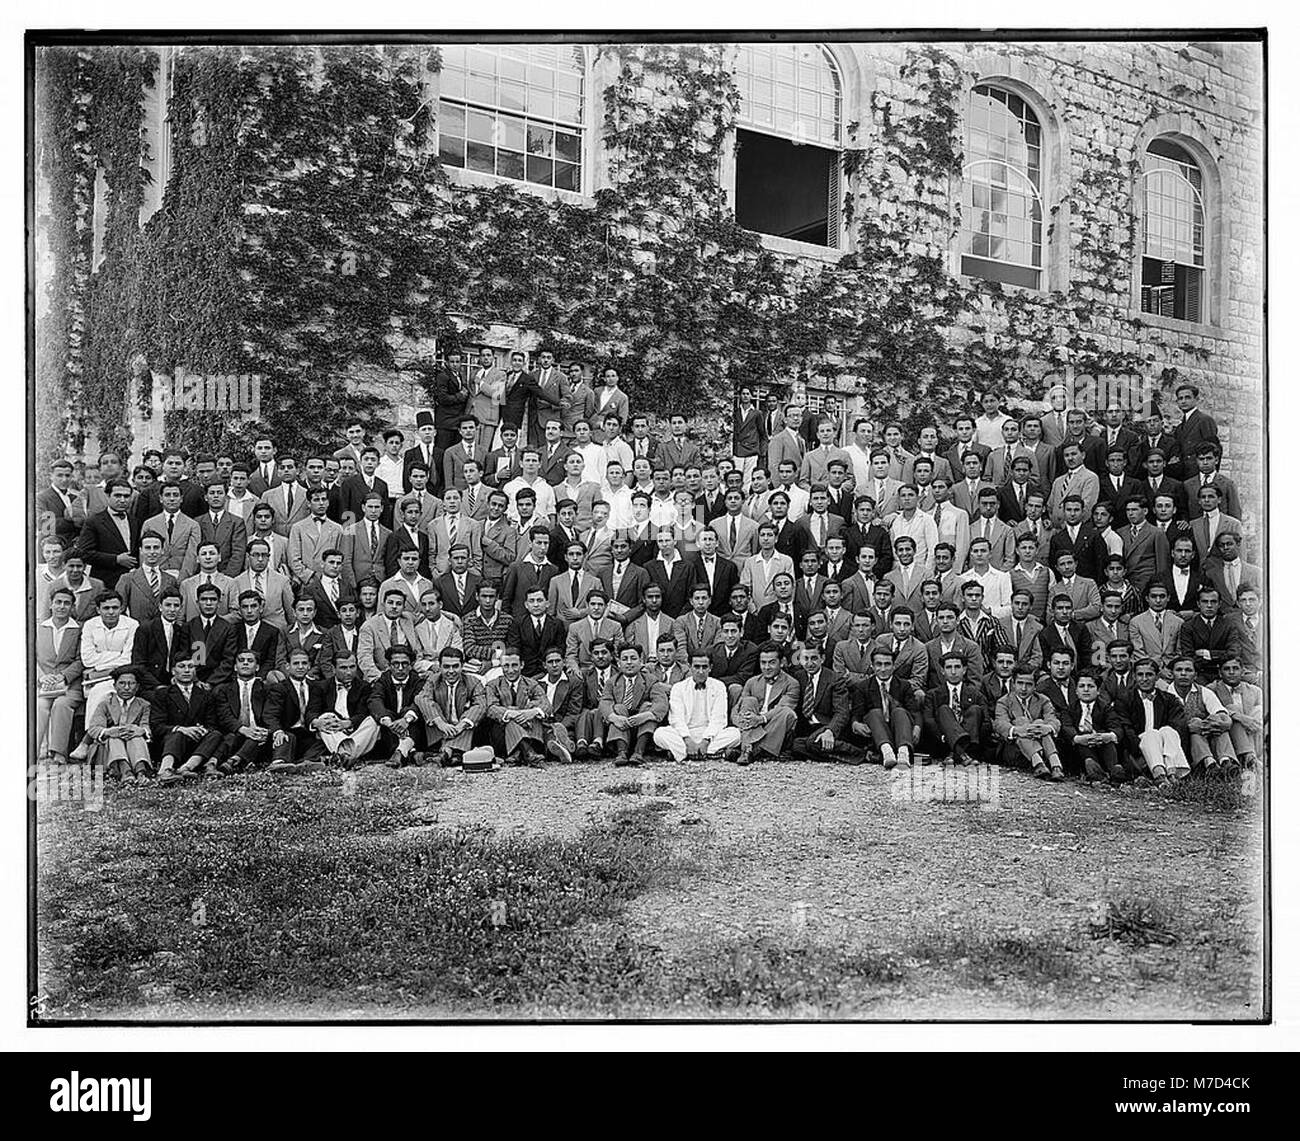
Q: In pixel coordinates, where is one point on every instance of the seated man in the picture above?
(1205, 739)
(190, 722)
(58, 676)
(516, 706)
(292, 705)
(564, 696)
(953, 712)
(632, 707)
(1028, 720)
(346, 728)
(884, 710)
(1155, 721)
(453, 704)
(1094, 730)
(247, 745)
(594, 680)
(823, 711)
(697, 716)
(119, 730)
(1244, 704)
(392, 705)
(767, 709)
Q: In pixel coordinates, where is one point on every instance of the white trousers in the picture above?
(745, 465)
(1162, 748)
(363, 738)
(666, 737)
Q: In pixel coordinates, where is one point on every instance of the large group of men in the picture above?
(540, 572)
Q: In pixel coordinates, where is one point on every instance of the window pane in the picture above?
(567, 146)
(566, 176)
(512, 96)
(540, 140)
(510, 164)
(480, 157)
(451, 119)
(480, 126)
(512, 133)
(784, 85)
(541, 170)
(451, 151)
(480, 90)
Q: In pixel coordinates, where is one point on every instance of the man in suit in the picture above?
(1015, 491)
(1183, 580)
(1244, 704)
(408, 536)
(1146, 548)
(696, 629)
(986, 525)
(737, 532)
(818, 525)
(534, 569)
(355, 489)
(1094, 731)
(1075, 480)
(885, 710)
(205, 573)
(141, 588)
(953, 712)
(624, 582)
(180, 533)
(505, 464)
(671, 573)
(364, 544)
(424, 451)
(189, 721)
(552, 391)
(1212, 522)
(66, 505)
(1028, 721)
(1157, 481)
(733, 660)
(265, 472)
(1195, 428)
(1022, 629)
(1154, 438)
(823, 712)
(393, 696)
(271, 585)
(1154, 632)
(264, 639)
(452, 705)
(767, 710)
(211, 638)
(1091, 448)
(327, 589)
(1079, 538)
(678, 450)
(343, 722)
(815, 467)
(948, 640)
(632, 707)
(1039, 449)
(288, 498)
(1115, 434)
(567, 590)
(715, 571)
(594, 627)
(1155, 720)
(520, 388)
(1117, 485)
(786, 445)
(1210, 636)
(459, 586)
(312, 536)
(149, 502)
(747, 433)
(1227, 571)
(454, 528)
(1065, 630)
(998, 466)
(247, 743)
(223, 527)
(157, 642)
(58, 676)
(538, 632)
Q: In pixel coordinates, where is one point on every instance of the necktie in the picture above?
(1160, 627)
(699, 633)
(1007, 462)
(1020, 633)
(884, 699)
(1231, 579)
(733, 534)
(470, 500)
(153, 581)
(451, 530)
(245, 703)
(1085, 722)
(809, 699)
(216, 519)
(419, 499)
(302, 698)
(392, 633)
(954, 698)
(171, 526)
(289, 508)
(938, 514)
(573, 589)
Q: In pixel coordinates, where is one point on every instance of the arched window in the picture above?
(1173, 232)
(1002, 190)
(788, 142)
(514, 111)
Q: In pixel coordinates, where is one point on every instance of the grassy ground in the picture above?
(692, 890)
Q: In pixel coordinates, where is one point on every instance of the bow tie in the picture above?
(699, 685)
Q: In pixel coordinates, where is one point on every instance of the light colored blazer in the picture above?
(180, 553)
(374, 641)
(307, 544)
(758, 573)
(784, 446)
(189, 592)
(746, 538)
(1029, 653)
(1014, 712)
(468, 532)
(680, 698)
(558, 600)
(605, 403)
(1081, 482)
(487, 389)
(278, 498)
(1149, 644)
(278, 595)
(355, 545)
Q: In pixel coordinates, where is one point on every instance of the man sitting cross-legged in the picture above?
(516, 706)
(292, 705)
(885, 710)
(1094, 730)
(346, 728)
(189, 721)
(823, 711)
(1155, 721)
(392, 705)
(119, 730)
(248, 744)
(1205, 739)
(1244, 704)
(594, 680)
(767, 710)
(953, 712)
(697, 716)
(453, 703)
(632, 707)
(1029, 721)
(564, 695)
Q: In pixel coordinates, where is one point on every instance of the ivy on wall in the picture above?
(309, 234)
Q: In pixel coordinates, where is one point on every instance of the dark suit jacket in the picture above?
(228, 694)
(1166, 486)
(1223, 639)
(1094, 454)
(734, 667)
(218, 649)
(353, 492)
(875, 537)
(100, 542)
(269, 646)
(193, 502)
(533, 647)
(1009, 509)
(388, 699)
(149, 652)
(283, 709)
(937, 697)
(50, 500)
(1195, 579)
(1194, 430)
(635, 579)
(768, 612)
(231, 537)
(1130, 488)
(314, 588)
(644, 547)
(519, 580)
(520, 388)
(168, 709)
(446, 584)
(1106, 718)
(677, 589)
(831, 705)
(415, 455)
(1089, 549)
(747, 433)
(793, 540)
(398, 541)
(865, 696)
(1168, 710)
(358, 699)
(725, 577)
(1050, 640)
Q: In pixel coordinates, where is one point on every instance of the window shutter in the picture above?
(1168, 272)
(1192, 295)
(833, 206)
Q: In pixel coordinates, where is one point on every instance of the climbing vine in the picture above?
(308, 234)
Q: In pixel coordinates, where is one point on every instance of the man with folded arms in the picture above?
(344, 724)
(697, 716)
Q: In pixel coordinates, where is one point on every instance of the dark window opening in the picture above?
(787, 190)
(1171, 289)
(1001, 271)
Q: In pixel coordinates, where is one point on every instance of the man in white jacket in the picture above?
(697, 716)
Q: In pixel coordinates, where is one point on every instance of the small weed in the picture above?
(1138, 920)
